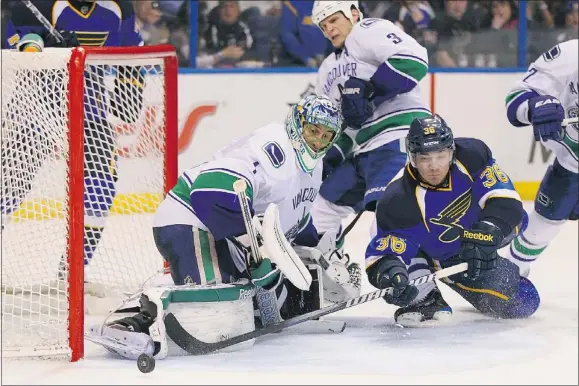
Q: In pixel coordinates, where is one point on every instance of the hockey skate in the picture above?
(433, 308)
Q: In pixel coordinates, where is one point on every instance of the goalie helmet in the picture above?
(323, 9)
(428, 134)
(314, 110)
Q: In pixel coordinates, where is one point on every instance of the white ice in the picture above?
(473, 349)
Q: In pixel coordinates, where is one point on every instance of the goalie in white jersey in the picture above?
(547, 95)
(374, 75)
(196, 228)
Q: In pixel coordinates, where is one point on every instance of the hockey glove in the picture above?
(331, 161)
(479, 248)
(70, 40)
(390, 271)
(546, 115)
(357, 105)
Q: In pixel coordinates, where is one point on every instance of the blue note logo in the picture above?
(451, 215)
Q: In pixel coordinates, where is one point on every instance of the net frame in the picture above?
(80, 57)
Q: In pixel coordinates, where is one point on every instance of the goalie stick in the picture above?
(195, 346)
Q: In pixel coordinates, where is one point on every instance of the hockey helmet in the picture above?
(428, 134)
(324, 9)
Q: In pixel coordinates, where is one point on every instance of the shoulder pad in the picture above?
(473, 153)
(398, 209)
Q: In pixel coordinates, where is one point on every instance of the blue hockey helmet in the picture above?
(428, 134)
(315, 111)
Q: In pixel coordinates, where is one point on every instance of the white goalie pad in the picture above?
(208, 312)
(279, 250)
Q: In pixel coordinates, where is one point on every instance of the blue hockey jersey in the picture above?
(96, 23)
(413, 217)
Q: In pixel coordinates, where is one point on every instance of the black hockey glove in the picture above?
(70, 40)
(390, 271)
(479, 247)
(357, 105)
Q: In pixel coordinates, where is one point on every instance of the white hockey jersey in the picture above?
(371, 43)
(266, 160)
(555, 73)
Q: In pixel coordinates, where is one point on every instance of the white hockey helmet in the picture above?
(323, 9)
(317, 110)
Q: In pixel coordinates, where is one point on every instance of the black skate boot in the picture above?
(432, 308)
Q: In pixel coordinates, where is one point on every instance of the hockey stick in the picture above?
(570, 121)
(196, 347)
(239, 187)
(349, 228)
(43, 20)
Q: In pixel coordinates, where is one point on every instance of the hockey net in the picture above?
(88, 150)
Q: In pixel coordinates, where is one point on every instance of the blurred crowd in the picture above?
(457, 33)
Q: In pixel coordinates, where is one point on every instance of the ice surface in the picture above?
(473, 349)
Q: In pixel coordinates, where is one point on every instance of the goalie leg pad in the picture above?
(269, 301)
(193, 255)
(211, 313)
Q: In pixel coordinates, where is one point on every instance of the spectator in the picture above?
(165, 22)
(302, 41)
(148, 15)
(228, 40)
(410, 15)
(539, 15)
(415, 18)
(504, 15)
(375, 9)
(572, 18)
(176, 18)
(455, 28)
(571, 28)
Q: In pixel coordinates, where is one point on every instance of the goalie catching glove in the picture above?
(341, 279)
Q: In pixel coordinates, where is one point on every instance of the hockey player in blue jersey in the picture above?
(87, 23)
(450, 204)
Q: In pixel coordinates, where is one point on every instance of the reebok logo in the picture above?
(478, 236)
(351, 91)
(546, 102)
(246, 294)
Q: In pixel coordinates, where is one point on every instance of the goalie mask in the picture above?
(313, 126)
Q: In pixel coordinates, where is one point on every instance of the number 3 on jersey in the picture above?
(395, 39)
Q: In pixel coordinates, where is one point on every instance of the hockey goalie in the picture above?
(240, 244)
